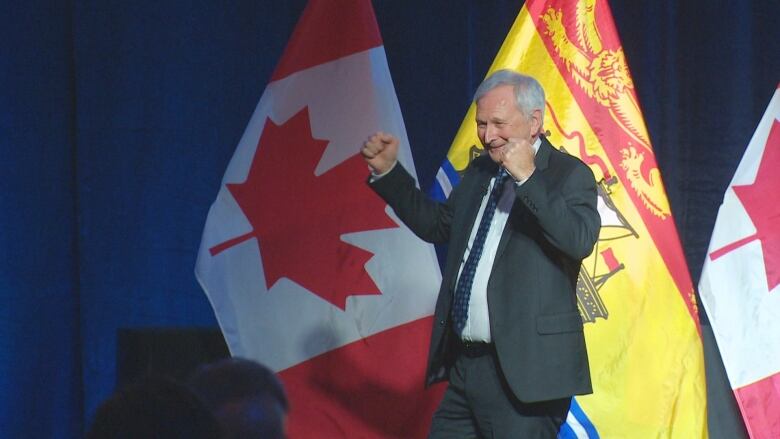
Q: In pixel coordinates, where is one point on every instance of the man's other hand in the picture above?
(518, 158)
(380, 152)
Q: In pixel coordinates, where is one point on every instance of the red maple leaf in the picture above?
(298, 218)
(760, 202)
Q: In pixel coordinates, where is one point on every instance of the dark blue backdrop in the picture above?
(117, 120)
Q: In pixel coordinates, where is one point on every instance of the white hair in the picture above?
(529, 95)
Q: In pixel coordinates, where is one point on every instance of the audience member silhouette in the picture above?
(154, 407)
(246, 397)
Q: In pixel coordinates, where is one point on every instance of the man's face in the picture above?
(498, 120)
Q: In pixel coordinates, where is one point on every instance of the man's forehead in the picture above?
(497, 100)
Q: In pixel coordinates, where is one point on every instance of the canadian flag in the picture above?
(740, 281)
(308, 271)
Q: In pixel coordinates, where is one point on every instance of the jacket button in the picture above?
(441, 322)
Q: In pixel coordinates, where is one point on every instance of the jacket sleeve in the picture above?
(566, 212)
(426, 218)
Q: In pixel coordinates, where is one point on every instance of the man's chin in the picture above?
(495, 154)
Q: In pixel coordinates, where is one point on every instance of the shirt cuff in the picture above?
(520, 182)
(374, 176)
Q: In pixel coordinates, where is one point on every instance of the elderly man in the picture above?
(507, 333)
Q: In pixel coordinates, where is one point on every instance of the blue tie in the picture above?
(460, 306)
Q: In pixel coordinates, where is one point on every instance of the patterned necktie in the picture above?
(460, 306)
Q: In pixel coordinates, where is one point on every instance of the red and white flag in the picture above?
(740, 282)
(308, 271)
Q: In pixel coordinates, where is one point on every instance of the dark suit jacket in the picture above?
(534, 321)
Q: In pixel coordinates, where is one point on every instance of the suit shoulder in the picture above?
(563, 158)
(480, 165)
(570, 166)
(482, 162)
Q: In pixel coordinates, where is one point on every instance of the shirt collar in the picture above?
(537, 144)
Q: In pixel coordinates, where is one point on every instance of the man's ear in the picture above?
(536, 122)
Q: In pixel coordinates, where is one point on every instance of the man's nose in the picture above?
(490, 133)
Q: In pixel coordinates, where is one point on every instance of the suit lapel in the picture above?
(474, 197)
(541, 161)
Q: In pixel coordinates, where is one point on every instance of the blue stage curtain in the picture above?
(40, 358)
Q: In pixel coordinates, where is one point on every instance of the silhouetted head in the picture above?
(246, 397)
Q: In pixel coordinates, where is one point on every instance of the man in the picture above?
(507, 333)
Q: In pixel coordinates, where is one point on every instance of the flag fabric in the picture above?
(308, 271)
(634, 291)
(739, 281)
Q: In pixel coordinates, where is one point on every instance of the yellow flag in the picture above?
(634, 291)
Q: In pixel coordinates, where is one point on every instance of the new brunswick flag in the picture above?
(634, 291)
